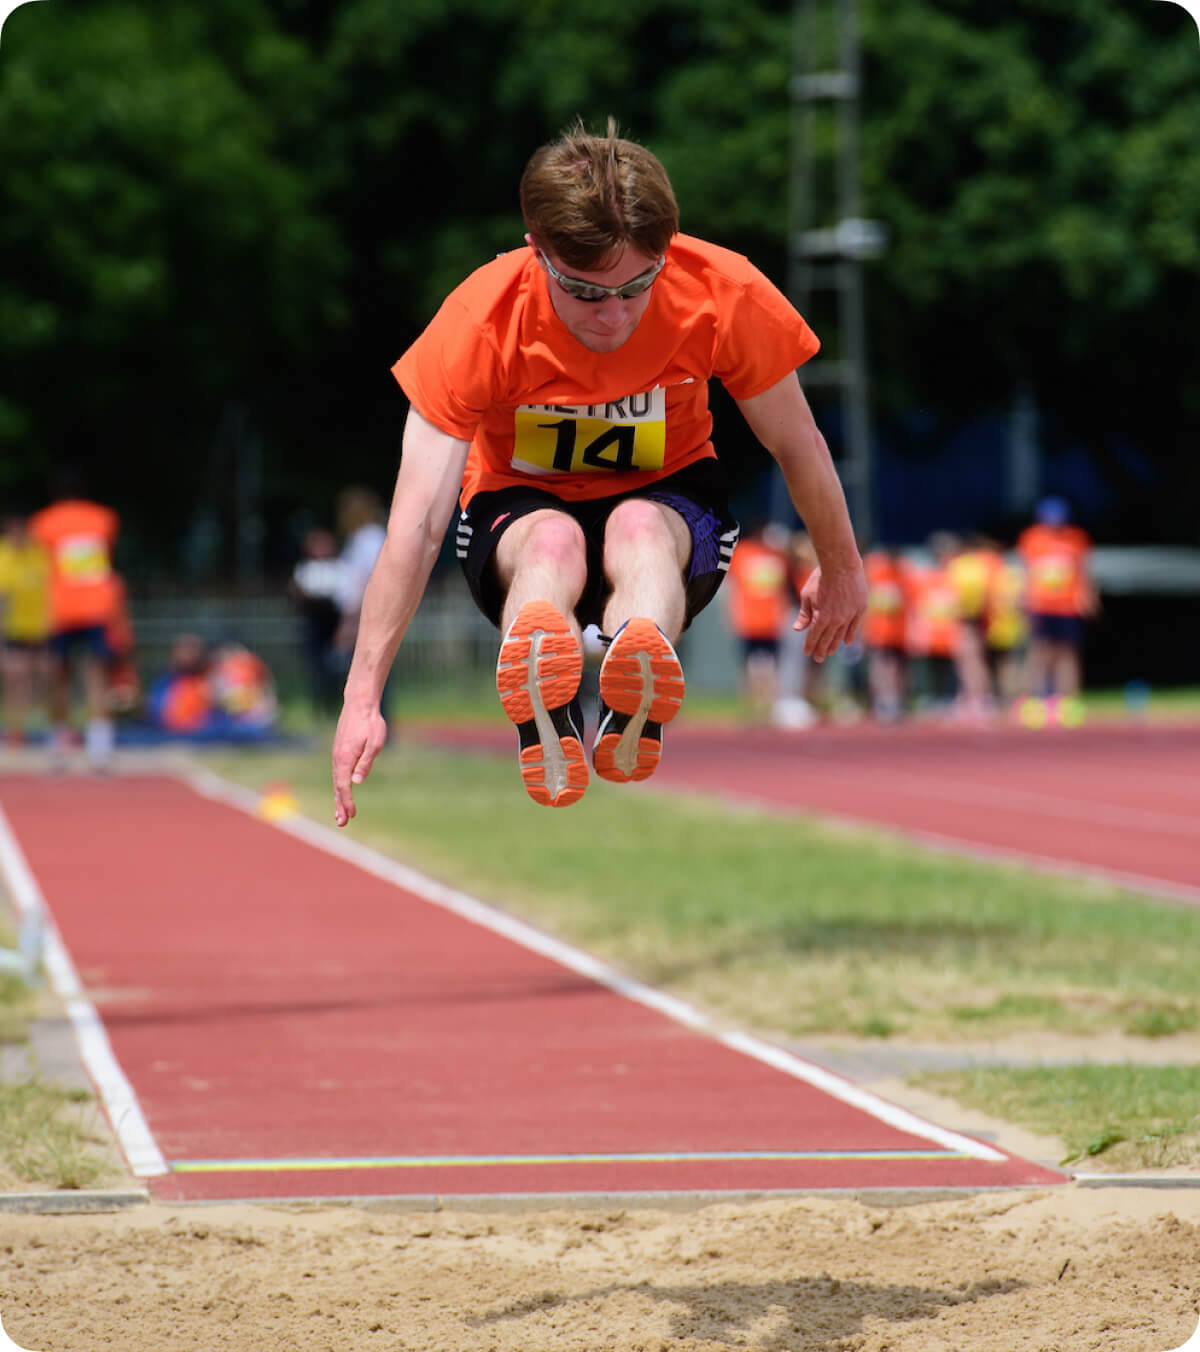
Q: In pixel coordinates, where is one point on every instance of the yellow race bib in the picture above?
(627, 434)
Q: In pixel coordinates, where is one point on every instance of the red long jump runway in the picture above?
(1120, 801)
(285, 1014)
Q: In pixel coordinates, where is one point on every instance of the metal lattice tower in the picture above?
(828, 239)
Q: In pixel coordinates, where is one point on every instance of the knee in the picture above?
(556, 542)
(634, 527)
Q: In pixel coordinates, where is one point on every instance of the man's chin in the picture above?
(599, 342)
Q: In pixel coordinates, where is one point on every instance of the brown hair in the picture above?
(586, 197)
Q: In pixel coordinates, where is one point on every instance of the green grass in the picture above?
(783, 924)
(14, 1003)
(1122, 1116)
(48, 1136)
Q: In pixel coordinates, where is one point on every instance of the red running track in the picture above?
(1109, 800)
(297, 1024)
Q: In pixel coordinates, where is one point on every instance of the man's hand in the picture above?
(360, 736)
(832, 605)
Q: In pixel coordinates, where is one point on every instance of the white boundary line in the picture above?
(479, 913)
(116, 1093)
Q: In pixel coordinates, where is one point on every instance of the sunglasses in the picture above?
(578, 289)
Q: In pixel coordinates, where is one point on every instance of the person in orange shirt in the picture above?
(560, 396)
(885, 633)
(934, 632)
(79, 537)
(758, 594)
(1059, 598)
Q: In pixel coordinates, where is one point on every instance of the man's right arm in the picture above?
(427, 487)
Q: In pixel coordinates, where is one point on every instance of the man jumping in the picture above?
(560, 398)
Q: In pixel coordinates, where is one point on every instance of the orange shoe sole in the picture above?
(537, 677)
(641, 679)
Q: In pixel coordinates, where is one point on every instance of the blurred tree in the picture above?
(1038, 167)
(254, 205)
(159, 253)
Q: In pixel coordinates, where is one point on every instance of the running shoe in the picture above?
(641, 688)
(537, 677)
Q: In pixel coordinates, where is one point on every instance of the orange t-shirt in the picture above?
(887, 601)
(498, 368)
(934, 627)
(79, 537)
(1055, 559)
(758, 590)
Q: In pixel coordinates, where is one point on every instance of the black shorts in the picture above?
(697, 492)
(1066, 629)
(754, 647)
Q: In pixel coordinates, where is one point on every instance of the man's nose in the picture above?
(612, 312)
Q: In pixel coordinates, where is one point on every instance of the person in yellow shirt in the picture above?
(25, 625)
(1007, 630)
(971, 572)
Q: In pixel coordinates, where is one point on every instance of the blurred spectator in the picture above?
(25, 600)
(360, 518)
(757, 588)
(223, 693)
(972, 571)
(932, 636)
(243, 689)
(180, 700)
(1059, 596)
(123, 684)
(795, 679)
(885, 633)
(79, 536)
(1007, 631)
(316, 587)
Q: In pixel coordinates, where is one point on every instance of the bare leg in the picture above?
(542, 563)
(18, 692)
(1037, 668)
(1067, 671)
(647, 546)
(101, 734)
(760, 686)
(542, 557)
(974, 679)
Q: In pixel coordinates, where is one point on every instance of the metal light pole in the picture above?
(828, 239)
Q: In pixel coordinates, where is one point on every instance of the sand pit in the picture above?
(1060, 1270)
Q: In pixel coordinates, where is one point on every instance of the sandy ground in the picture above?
(1057, 1270)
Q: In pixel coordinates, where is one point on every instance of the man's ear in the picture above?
(537, 249)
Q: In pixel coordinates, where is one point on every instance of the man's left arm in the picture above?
(834, 598)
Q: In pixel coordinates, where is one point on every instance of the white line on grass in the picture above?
(371, 861)
(115, 1091)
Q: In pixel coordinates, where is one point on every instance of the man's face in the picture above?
(600, 325)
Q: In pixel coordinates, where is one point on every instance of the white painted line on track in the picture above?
(382, 866)
(116, 1093)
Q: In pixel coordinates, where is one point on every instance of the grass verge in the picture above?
(48, 1135)
(1123, 1116)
